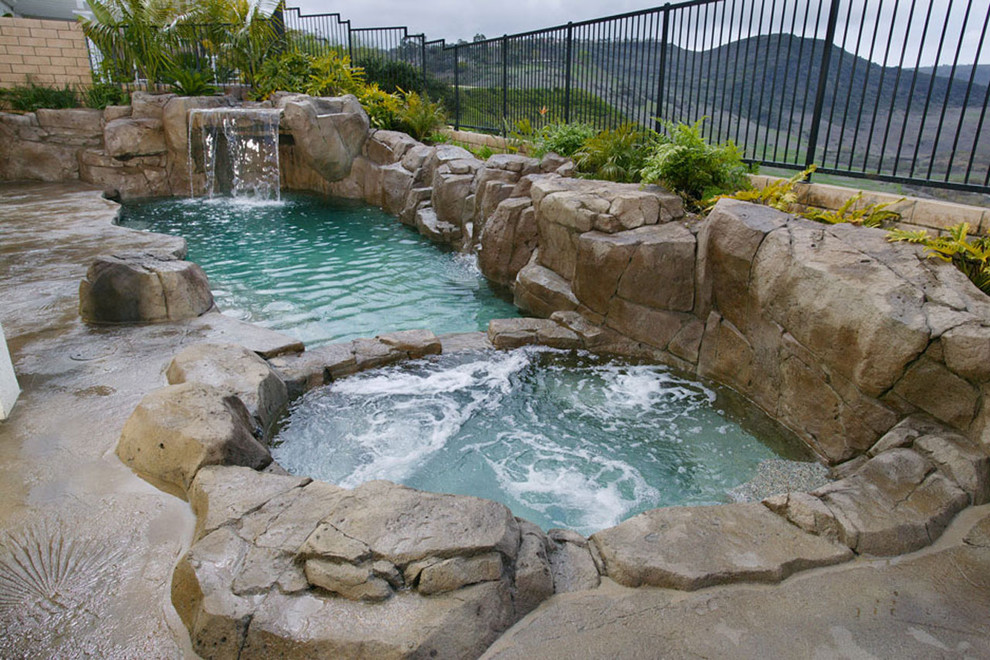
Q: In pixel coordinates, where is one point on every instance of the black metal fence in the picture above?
(883, 89)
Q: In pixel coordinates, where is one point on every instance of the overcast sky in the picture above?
(462, 19)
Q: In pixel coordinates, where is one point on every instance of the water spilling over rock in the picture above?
(237, 149)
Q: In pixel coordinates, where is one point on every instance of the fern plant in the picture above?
(685, 163)
(779, 194)
(614, 155)
(782, 196)
(419, 116)
(874, 215)
(971, 256)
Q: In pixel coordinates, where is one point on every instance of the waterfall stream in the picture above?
(239, 149)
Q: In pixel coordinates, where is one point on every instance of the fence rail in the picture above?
(881, 89)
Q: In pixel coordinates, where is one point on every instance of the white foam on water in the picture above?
(574, 486)
(580, 445)
(409, 416)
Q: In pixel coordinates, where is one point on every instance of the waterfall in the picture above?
(239, 151)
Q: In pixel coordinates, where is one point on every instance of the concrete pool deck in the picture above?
(69, 501)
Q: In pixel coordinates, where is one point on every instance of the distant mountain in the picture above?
(760, 91)
(963, 72)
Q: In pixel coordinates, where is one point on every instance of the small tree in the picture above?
(134, 35)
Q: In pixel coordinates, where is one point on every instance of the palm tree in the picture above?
(240, 33)
(148, 37)
(134, 36)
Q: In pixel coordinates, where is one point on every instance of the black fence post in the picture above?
(567, 79)
(422, 59)
(816, 118)
(350, 42)
(662, 70)
(457, 88)
(278, 23)
(505, 84)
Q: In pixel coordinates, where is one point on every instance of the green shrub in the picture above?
(419, 116)
(972, 257)
(393, 76)
(615, 155)
(333, 75)
(100, 95)
(288, 72)
(188, 82)
(685, 163)
(562, 139)
(31, 97)
(383, 108)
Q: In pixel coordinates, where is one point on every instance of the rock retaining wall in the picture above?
(833, 331)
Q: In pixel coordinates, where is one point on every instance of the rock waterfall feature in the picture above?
(237, 149)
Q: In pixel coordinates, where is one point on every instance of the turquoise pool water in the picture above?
(563, 439)
(324, 270)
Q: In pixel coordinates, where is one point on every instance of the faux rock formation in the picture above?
(128, 137)
(382, 569)
(237, 371)
(143, 288)
(895, 503)
(691, 548)
(45, 145)
(177, 430)
(508, 240)
(328, 132)
(507, 334)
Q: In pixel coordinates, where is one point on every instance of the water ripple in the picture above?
(324, 270)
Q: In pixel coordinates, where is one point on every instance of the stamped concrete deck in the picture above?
(103, 543)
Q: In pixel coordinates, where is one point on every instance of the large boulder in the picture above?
(143, 288)
(138, 176)
(72, 126)
(691, 548)
(149, 105)
(329, 133)
(541, 291)
(128, 137)
(237, 371)
(382, 570)
(508, 240)
(178, 429)
(39, 161)
(848, 309)
(895, 503)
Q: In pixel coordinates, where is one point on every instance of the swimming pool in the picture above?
(324, 270)
(563, 439)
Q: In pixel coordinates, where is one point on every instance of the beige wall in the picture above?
(49, 52)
